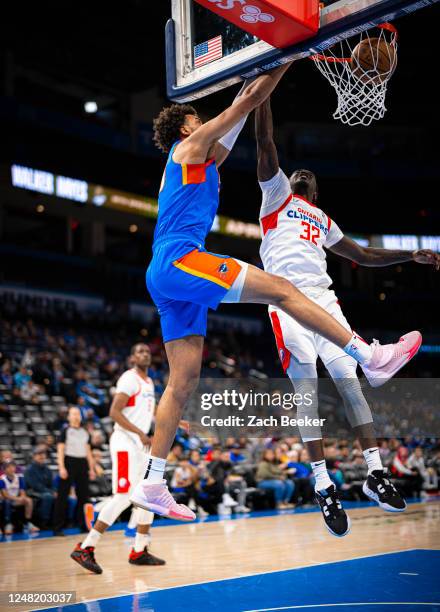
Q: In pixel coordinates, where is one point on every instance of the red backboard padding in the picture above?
(280, 23)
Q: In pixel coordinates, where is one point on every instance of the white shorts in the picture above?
(294, 340)
(129, 462)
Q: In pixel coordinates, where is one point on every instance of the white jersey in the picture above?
(294, 232)
(141, 403)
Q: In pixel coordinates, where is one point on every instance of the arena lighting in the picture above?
(90, 106)
(106, 197)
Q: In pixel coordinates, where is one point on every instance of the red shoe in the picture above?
(144, 558)
(86, 558)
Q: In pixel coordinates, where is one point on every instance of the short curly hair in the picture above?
(167, 125)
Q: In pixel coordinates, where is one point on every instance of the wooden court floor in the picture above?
(203, 552)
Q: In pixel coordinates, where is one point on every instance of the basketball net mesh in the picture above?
(361, 92)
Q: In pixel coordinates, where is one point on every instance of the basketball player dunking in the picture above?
(132, 410)
(185, 280)
(294, 233)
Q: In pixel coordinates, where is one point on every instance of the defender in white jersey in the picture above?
(294, 233)
(132, 410)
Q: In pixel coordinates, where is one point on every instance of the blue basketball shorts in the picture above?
(184, 281)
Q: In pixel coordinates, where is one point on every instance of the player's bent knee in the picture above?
(282, 290)
(114, 508)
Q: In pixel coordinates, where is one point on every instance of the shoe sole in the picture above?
(378, 382)
(72, 556)
(339, 535)
(161, 511)
(375, 497)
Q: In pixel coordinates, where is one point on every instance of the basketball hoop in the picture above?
(360, 74)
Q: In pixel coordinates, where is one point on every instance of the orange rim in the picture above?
(340, 60)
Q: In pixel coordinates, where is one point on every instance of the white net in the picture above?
(359, 71)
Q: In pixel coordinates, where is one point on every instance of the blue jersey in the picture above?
(188, 201)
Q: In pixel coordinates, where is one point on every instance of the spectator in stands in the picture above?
(50, 443)
(271, 476)
(39, 485)
(30, 393)
(15, 499)
(236, 455)
(355, 473)
(301, 476)
(75, 464)
(101, 486)
(182, 482)
(208, 491)
(5, 457)
(409, 479)
(6, 377)
(175, 455)
(97, 439)
(416, 461)
(22, 377)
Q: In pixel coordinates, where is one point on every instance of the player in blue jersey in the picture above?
(185, 280)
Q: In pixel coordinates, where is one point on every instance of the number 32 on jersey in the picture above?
(310, 232)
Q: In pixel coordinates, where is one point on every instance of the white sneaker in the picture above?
(388, 359)
(157, 498)
(242, 509)
(9, 529)
(228, 501)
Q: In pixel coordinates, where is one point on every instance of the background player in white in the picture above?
(132, 410)
(294, 233)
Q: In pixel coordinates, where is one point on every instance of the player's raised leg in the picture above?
(379, 362)
(184, 359)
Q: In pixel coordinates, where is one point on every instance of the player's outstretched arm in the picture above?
(198, 144)
(267, 155)
(372, 257)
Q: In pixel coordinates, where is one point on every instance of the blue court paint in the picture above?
(163, 522)
(371, 584)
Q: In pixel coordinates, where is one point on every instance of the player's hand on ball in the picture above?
(64, 473)
(426, 256)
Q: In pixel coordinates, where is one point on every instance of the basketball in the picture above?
(373, 60)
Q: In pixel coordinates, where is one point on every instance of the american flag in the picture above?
(208, 51)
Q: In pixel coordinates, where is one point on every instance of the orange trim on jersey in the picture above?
(329, 223)
(194, 174)
(283, 352)
(304, 200)
(270, 221)
(221, 271)
(123, 484)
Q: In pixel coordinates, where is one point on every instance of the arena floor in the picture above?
(266, 561)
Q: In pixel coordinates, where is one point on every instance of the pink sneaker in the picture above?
(389, 358)
(156, 498)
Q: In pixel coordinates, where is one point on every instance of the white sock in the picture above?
(321, 475)
(372, 457)
(358, 349)
(141, 541)
(155, 470)
(92, 538)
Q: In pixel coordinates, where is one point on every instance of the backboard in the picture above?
(205, 53)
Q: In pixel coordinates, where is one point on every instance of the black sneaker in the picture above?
(86, 558)
(336, 521)
(144, 558)
(381, 490)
